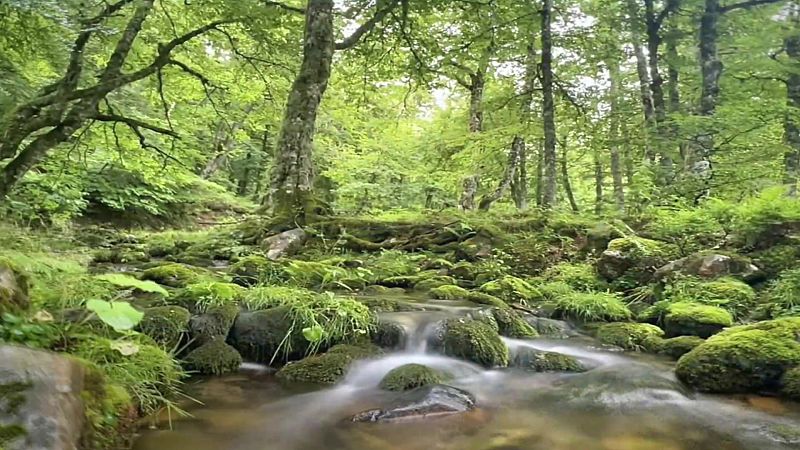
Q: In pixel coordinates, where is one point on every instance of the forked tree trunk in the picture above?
(292, 177)
(549, 182)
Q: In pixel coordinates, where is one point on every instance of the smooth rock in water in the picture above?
(712, 265)
(284, 244)
(426, 402)
(40, 400)
(551, 328)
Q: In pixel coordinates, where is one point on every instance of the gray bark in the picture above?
(614, 135)
(549, 182)
(469, 192)
(517, 148)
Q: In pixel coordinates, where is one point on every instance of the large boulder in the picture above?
(13, 288)
(263, 335)
(476, 341)
(284, 244)
(40, 400)
(711, 265)
(746, 358)
(426, 402)
(630, 336)
(693, 319)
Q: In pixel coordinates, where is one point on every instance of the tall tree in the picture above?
(549, 181)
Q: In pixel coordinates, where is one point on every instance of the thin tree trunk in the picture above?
(565, 180)
(292, 178)
(643, 75)
(614, 135)
(540, 174)
(673, 73)
(476, 91)
(519, 185)
(225, 144)
(517, 148)
(469, 192)
(549, 183)
(653, 44)
(791, 125)
(598, 184)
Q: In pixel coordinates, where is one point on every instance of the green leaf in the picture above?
(127, 281)
(314, 333)
(120, 316)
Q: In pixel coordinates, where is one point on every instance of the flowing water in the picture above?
(625, 402)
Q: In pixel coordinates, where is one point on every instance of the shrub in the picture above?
(592, 306)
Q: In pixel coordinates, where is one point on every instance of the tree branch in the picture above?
(134, 123)
(285, 7)
(353, 39)
(746, 4)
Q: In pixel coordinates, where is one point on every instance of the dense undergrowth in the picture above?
(203, 300)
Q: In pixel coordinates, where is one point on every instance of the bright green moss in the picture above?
(449, 292)
(165, 324)
(434, 282)
(785, 328)
(200, 296)
(539, 361)
(554, 290)
(693, 319)
(790, 383)
(476, 341)
(215, 357)
(411, 376)
(592, 307)
(511, 324)
(630, 336)
(172, 274)
(741, 359)
(485, 299)
(674, 347)
(327, 368)
(579, 276)
(730, 294)
(463, 270)
(512, 290)
(637, 246)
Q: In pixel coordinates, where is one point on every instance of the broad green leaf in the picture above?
(120, 316)
(314, 333)
(127, 281)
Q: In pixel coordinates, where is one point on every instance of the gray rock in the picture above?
(711, 265)
(551, 327)
(41, 394)
(422, 403)
(284, 244)
(13, 288)
(613, 264)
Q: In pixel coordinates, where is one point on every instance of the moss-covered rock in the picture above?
(215, 357)
(165, 324)
(512, 290)
(449, 292)
(463, 271)
(476, 341)
(120, 255)
(711, 265)
(216, 322)
(434, 282)
(541, 361)
(198, 297)
(591, 307)
(511, 324)
(410, 376)
(384, 304)
(252, 270)
(485, 299)
(630, 336)
(14, 287)
(172, 274)
(790, 383)
(674, 347)
(631, 261)
(376, 289)
(728, 293)
(693, 319)
(746, 358)
(261, 335)
(389, 335)
(327, 368)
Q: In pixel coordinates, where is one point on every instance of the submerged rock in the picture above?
(284, 244)
(422, 403)
(542, 361)
(40, 400)
(411, 376)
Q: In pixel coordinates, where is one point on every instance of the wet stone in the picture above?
(422, 403)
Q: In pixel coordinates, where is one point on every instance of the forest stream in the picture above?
(624, 401)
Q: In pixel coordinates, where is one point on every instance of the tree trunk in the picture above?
(469, 192)
(549, 182)
(653, 44)
(519, 185)
(540, 174)
(614, 137)
(791, 125)
(476, 91)
(643, 76)
(224, 144)
(672, 71)
(565, 179)
(292, 177)
(517, 148)
(598, 184)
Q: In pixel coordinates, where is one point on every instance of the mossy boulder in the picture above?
(449, 292)
(630, 336)
(261, 335)
(14, 287)
(485, 299)
(165, 324)
(476, 341)
(385, 304)
(747, 358)
(694, 319)
(172, 275)
(673, 347)
(512, 290)
(198, 297)
(463, 271)
(376, 289)
(214, 357)
(252, 270)
(790, 383)
(631, 261)
(389, 335)
(541, 361)
(411, 376)
(711, 265)
(216, 322)
(434, 282)
(327, 368)
(728, 293)
(511, 324)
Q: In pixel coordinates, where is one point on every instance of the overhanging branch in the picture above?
(365, 28)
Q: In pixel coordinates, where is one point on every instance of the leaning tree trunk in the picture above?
(791, 123)
(517, 148)
(549, 182)
(614, 136)
(292, 177)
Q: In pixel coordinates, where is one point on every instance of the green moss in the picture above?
(200, 296)
(674, 347)
(253, 270)
(630, 336)
(554, 290)
(14, 287)
(486, 299)
(631, 261)
(434, 282)
(449, 292)
(216, 322)
(463, 271)
(172, 274)
(511, 324)
(382, 304)
(539, 361)
(579, 276)
(475, 341)
(108, 409)
(512, 290)
(327, 368)
(410, 376)
(692, 319)
(12, 396)
(215, 357)
(730, 294)
(790, 383)
(165, 324)
(785, 328)
(637, 246)
(592, 307)
(401, 281)
(10, 433)
(741, 359)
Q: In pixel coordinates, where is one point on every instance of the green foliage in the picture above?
(317, 275)
(512, 290)
(580, 276)
(252, 270)
(200, 297)
(120, 316)
(29, 332)
(630, 336)
(128, 282)
(592, 306)
(263, 297)
(410, 376)
(783, 294)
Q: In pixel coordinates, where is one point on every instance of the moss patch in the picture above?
(411, 376)
(675, 347)
(512, 290)
(216, 322)
(215, 357)
(173, 275)
(592, 307)
(449, 292)
(165, 324)
(539, 361)
(198, 297)
(511, 324)
(476, 341)
(486, 299)
(630, 336)
(253, 270)
(693, 319)
(327, 368)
